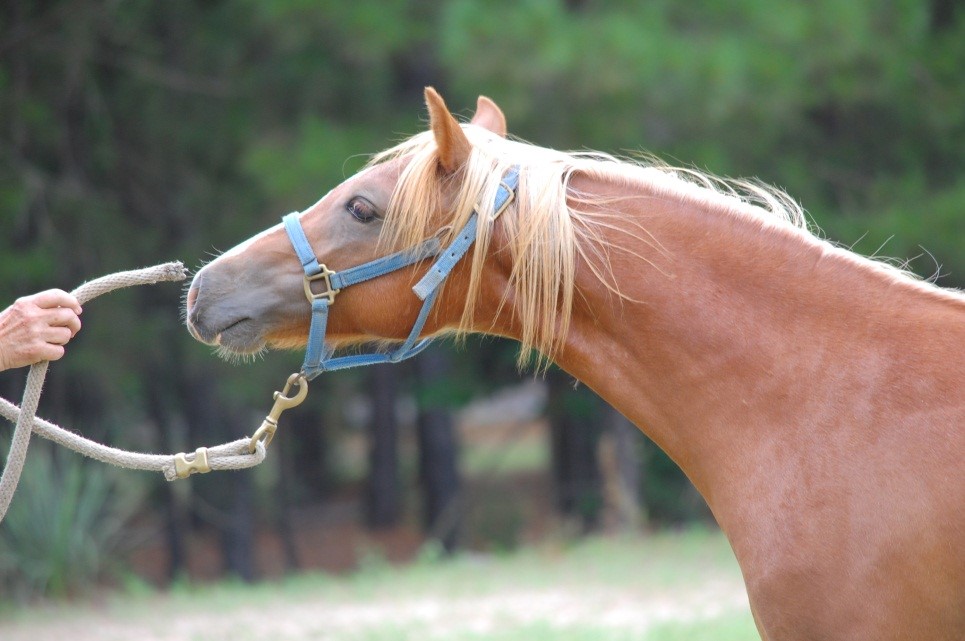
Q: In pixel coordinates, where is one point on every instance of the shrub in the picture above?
(64, 526)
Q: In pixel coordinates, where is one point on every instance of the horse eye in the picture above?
(362, 210)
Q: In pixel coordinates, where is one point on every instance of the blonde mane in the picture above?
(546, 235)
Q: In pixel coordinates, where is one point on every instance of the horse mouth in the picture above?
(239, 337)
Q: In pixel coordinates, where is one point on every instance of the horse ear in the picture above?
(453, 145)
(489, 116)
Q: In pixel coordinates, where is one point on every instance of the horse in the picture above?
(813, 396)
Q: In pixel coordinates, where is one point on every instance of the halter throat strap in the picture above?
(319, 357)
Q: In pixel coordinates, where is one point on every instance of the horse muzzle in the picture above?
(214, 318)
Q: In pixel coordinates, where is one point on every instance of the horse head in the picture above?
(253, 296)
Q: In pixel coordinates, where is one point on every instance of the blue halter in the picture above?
(318, 356)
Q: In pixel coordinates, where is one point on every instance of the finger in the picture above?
(57, 335)
(53, 298)
(49, 352)
(62, 317)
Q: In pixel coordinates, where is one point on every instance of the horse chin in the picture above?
(240, 342)
(233, 355)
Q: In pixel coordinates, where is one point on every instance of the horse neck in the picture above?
(738, 336)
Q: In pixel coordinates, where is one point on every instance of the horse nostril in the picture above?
(190, 302)
(192, 296)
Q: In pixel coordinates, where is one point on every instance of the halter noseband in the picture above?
(318, 356)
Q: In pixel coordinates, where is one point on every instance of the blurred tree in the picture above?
(383, 490)
(438, 448)
(575, 423)
(622, 470)
(854, 106)
(943, 13)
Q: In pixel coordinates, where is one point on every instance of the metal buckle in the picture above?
(509, 200)
(326, 276)
(183, 467)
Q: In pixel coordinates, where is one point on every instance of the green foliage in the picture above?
(913, 223)
(295, 170)
(65, 524)
(834, 100)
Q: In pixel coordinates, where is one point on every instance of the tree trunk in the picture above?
(438, 450)
(308, 459)
(160, 398)
(943, 13)
(383, 497)
(238, 534)
(622, 471)
(212, 421)
(285, 488)
(574, 417)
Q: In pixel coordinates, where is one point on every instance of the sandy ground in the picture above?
(288, 617)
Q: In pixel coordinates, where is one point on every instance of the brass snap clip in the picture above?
(282, 402)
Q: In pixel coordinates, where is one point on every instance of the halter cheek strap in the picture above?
(319, 356)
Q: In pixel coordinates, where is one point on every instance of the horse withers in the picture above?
(814, 397)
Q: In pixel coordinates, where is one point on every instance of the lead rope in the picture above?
(239, 454)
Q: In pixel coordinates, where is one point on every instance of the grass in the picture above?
(724, 628)
(667, 587)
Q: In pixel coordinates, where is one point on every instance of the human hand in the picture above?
(36, 328)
